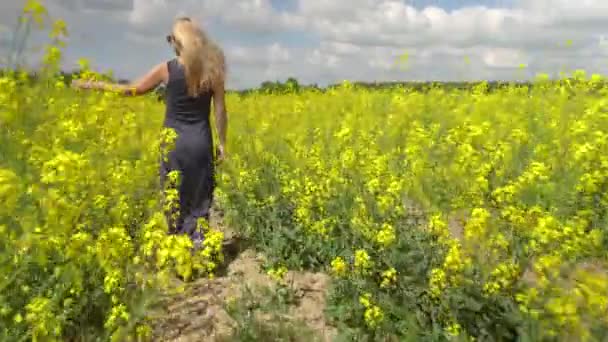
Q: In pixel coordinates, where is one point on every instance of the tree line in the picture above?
(291, 84)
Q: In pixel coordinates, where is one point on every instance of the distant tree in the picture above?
(292, 84)
(266, 85)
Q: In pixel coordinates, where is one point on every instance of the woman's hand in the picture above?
(220, 154)
(147, 83)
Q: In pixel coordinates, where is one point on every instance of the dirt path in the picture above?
(200, 312)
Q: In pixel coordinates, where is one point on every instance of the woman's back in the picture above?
(181, 107)
(192, 155)
(198, 69)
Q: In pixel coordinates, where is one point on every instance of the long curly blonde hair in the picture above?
(203, 59)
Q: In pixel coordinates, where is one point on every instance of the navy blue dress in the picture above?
(192, 155)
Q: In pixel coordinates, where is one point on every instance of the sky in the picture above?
(327, 41)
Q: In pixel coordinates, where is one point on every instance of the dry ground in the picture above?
(200, 312)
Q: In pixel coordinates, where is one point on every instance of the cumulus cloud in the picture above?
(259, 16)
(504, 58)
(533, 32)
(151, 16)
(95, 5)
(321, 41)
(263, 56)
(394, 23)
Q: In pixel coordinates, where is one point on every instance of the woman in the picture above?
(192, 79)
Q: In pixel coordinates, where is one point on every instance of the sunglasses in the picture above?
(170, 38)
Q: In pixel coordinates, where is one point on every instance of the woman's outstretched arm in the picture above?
(221, 118)
(143, 85)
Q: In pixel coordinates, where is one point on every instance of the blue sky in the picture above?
(326, 41)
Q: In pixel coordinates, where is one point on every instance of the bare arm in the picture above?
(221, 118)
(143, 85)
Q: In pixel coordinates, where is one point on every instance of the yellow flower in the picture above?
(373, 316)
(389, 278)
(454, 329)
(365, 299)
(339, 267)
(363, 261)
(278, 274)
(386, 236)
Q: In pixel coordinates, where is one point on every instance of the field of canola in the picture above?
(444, 214)
(448, 213)
(462, 215)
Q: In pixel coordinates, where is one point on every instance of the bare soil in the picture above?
(199, 312)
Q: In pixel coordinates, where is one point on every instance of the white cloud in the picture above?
(149, 12)
(93, 5)
(341, 48)
(393, 23)
(355, 39)
(322, 59)
(259, 16)
(151, 16)
(497, 40)
(504, 58)
(278, 54)
(263, 56)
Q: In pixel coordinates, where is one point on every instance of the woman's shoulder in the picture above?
(171, 61)
(172, 66)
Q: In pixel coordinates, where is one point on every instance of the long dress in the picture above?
(192, 154)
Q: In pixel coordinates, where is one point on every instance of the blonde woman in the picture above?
(193, 79)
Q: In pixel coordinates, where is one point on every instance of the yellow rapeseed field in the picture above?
(446, 213)
(440, 215)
